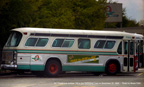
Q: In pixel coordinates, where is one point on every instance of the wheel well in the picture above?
(115, 61)
(54, 58)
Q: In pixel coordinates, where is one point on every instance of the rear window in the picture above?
(14, 39)
(38, 42)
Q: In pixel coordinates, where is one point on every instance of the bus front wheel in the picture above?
(53, 68)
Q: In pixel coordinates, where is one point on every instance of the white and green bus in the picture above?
(52, 51)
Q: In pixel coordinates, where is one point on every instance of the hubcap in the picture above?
(53, 68)
(112, 67)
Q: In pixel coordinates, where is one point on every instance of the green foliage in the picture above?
(89, 14)
(75, 14)
(129, 23)
(141, 23)
(55, 14)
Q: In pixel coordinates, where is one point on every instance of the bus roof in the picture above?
(139, 36)
(79, 32)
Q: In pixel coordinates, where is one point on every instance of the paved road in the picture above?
(75, 80)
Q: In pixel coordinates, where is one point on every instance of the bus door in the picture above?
(128, 56)
(139, 52)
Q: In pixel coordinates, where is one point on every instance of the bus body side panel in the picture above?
(71, 61)
(96, 64)
(23, 61)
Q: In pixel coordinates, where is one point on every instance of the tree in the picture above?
(16, 13)
(55, 14)
(141, 23)
(127, 22)
(75, 14)
(89, 14)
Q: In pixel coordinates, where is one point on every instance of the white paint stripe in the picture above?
(141, 74)
(86, 60)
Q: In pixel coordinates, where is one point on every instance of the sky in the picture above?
(134, 8)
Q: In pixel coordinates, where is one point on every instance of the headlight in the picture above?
(14, 57)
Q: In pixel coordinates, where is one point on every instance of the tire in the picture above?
(112, 68)
(53, 68)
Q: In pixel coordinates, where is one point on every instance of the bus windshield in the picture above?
(14, 39)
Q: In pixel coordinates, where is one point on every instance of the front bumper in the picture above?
(8, 67)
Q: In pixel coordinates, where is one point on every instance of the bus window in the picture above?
(126, 48)
(100, 44)
(119, 50)
(42, 42)
(131, 48)
(57, 43)
(31, 42)
(68, 43)
(109, 44)
(14, 39)
(39, 42)
(83, 43)
(63, 43)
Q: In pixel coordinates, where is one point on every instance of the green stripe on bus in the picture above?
(67, 52)
(84, 68)
(37, 67)
(64, 68)
(23, 67)
(31, 67)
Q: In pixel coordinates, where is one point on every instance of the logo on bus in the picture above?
(36, 58)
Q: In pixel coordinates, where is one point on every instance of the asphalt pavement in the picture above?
(74, 79)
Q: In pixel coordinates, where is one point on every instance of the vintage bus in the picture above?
(51, 51)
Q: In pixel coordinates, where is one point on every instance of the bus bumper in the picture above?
(8, 67)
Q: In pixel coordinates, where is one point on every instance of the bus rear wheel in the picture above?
(112, 68)
(53, 68)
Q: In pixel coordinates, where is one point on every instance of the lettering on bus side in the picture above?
(82, 59)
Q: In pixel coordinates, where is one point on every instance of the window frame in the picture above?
(84, 39)
(71, 45)
(63, 42)
(104, 43)
(45, 44)
(99, 40)
(37, 41)
(120, 44)
(10, 39)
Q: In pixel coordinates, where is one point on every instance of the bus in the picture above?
(52, 51)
